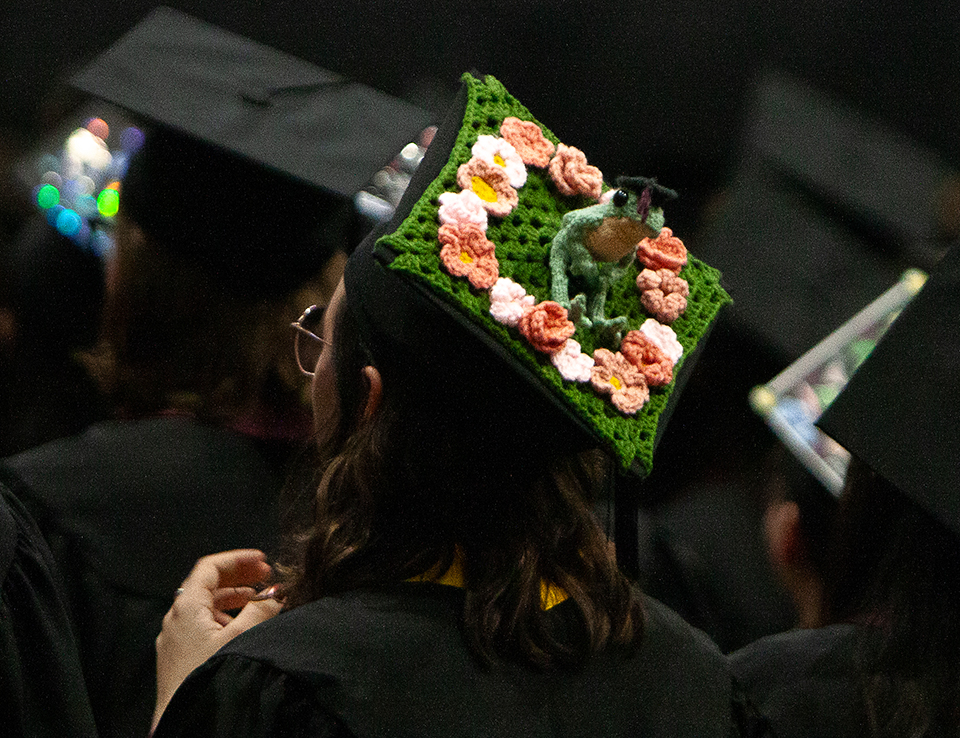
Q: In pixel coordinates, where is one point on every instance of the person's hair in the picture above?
(174, 337)
(400, 496)
(896, 570)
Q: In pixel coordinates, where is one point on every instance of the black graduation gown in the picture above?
(41, 686)
(804, 682)
(127, 508)
(393, 663)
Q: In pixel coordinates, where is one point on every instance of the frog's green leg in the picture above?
(577, 311)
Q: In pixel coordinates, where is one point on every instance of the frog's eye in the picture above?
(620, 198)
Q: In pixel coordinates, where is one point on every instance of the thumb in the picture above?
(254, 612)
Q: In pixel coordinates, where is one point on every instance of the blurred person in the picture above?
(453, 579)
(885, 659)
(52, 294)
(42, 692)
(218, 246)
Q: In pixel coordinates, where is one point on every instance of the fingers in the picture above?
(228, 569)
(232, 598)
(253, 613)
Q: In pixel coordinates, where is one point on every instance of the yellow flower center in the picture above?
(616, 383)
(484, 191)
(499, 161)
(466, 258)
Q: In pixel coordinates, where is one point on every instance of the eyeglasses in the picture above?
(307, 345)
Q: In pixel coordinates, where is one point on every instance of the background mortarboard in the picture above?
(825, 210)
(900, 412)
(278, 125)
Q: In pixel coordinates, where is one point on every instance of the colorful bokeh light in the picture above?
(48, 196)
(69, 222)
(108, 202)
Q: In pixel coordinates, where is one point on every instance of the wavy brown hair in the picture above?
(398, 498)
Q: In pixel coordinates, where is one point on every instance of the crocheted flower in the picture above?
(546, 326)
(666, 251)
(663, 294)
(500, 152)
(572, 174)
(664, 336)
(467, 252)
(508, 301)
(613, 375)
(573, 365)
(490, 183)
(527, 138)
(643, 353)
(462, 207)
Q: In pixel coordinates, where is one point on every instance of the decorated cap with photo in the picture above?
(572, 283)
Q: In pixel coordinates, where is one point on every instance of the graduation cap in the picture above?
(455, 295)
(252, 156)
(900, 412)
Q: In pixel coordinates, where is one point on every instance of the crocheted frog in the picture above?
(598, 243)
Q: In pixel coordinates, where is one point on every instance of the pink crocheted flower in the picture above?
(664, 336)
(500, 152)
(616, 377)
(643, 353)
(508, 301)
(527, 138)
(462, 207)
(467, 252)
(573, 365)
(490, 183)
(663, 294)
(546, 326)
(572, 174)
(666, 251)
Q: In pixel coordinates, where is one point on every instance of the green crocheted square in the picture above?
(522, 240)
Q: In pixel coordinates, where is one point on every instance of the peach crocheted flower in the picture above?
(643, 353)
(527, 138)
(616, 377)
(663, 294)
(666, 251)
(573, 365)
(490, 183)
(508, 301)
(546, 326)
(572, 174)
(467, 252)
(664, 336)
(462, 207)
(500, 152)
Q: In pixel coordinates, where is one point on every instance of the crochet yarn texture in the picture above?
(522, 236)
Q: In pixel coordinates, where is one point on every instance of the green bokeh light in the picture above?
(108, 202)
(48, 196)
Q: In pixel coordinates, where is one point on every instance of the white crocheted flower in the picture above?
(573, 365)
(462, 207)
(508, 301)
(501, 152)
(665, 338)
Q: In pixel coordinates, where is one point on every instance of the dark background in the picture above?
(645, 88)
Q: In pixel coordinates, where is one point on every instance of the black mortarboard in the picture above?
(455, 295)
(253, 154)
(900, 412)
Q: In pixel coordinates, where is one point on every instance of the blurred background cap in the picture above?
(251, 157)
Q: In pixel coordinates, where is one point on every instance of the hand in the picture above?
(197, 625)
